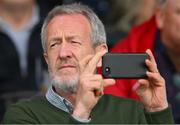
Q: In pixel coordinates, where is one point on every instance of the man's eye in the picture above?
(53, 45)
(75, 42)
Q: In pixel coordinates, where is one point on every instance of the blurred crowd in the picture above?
(23, 71)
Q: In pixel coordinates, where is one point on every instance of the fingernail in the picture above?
(136, 85)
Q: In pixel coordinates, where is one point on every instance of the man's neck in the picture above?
(69, 96)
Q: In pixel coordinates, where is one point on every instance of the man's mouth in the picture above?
(67, 67)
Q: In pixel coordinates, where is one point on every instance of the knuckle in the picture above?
(162, 79)
(99, 77)
(157, 76)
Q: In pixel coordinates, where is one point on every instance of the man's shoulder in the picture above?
(34, 99)
(25, 109)
(29, 103)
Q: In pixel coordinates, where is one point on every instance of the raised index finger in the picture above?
(84, 62)
(91, 67)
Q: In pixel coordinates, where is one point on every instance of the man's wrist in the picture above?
(82, 120)
(156, 109)
(80, 113)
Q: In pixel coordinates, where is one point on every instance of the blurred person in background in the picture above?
(22, 66)
(123, 15)
(161, 34)
(145, 11)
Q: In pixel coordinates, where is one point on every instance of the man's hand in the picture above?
(91, 86)
(152, 91)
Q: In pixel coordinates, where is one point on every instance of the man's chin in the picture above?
(67, 83)
(67, 77)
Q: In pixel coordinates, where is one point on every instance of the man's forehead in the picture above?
(70, 17)
(71, 22)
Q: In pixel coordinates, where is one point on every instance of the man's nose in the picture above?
(65, 50)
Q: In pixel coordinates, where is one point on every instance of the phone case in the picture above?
(124, 65)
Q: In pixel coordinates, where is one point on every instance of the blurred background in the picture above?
(23, 72)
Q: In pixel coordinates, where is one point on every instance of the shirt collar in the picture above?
(58, 101)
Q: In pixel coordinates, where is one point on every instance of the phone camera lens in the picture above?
(107, 69)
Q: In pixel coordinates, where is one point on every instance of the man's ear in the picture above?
(46, 57)
(160, 15)
(98, 48)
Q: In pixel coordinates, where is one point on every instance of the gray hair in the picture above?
(98, 35)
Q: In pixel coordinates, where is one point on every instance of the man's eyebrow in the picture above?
(57, 38)
(72, 37)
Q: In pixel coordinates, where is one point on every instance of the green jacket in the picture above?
(108, 110)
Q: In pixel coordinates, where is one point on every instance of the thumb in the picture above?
(108, 82)
(140, 86)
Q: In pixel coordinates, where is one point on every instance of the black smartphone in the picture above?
(124, 65)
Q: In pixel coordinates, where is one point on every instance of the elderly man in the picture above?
(74, 42)
(161, 34)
